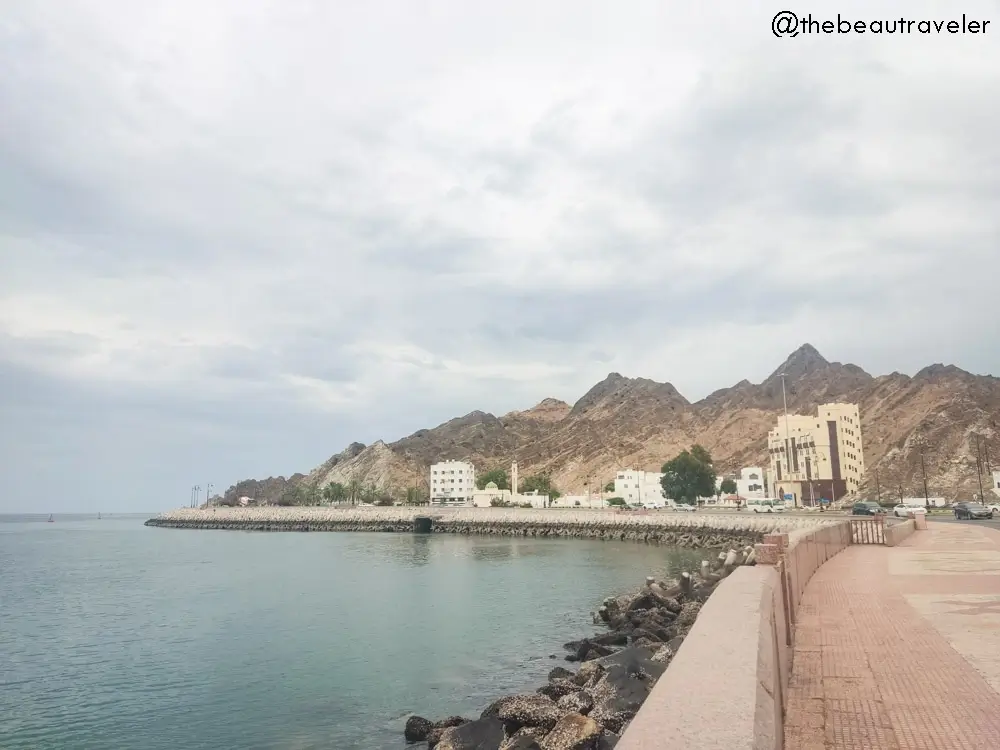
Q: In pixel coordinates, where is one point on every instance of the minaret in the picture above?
(513, 479)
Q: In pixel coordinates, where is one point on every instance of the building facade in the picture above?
(752, 483)
(817, 457)
(639, 487)
(996, 483)
(452, 483)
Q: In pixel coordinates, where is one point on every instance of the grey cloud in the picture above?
(325, 221)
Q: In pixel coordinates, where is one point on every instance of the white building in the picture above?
(452, 483)
(642, 487)
(594, 500)
(485, 497)
(996, 483)
(751, 483)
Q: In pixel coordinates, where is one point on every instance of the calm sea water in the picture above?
(117, 636)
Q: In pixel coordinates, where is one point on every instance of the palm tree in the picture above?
(334, 492)
(354, 491)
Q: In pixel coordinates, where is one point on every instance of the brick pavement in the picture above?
(899, 648)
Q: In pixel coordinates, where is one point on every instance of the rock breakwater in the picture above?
(690, 530)
(590, 708)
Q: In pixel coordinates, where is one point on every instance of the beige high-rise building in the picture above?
(816, 457)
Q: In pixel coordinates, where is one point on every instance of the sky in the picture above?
(237, 236)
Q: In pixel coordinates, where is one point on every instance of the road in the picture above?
(995, 523)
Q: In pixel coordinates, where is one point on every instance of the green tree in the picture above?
(312, 495)
(689, 476)
(728, 486)
(354, 491)
(701, 454)
(415, 496)
(335, 492)
(542, 483)
(610, 486)
(497, 476)
(615, 501)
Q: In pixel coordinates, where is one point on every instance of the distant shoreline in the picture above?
(659, 527)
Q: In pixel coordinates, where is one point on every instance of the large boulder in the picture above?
(525, 738)
(582, 650)
(688, 614)
(561, 673)
(608, 741)
(621, 689)
(417, 728)
(637, 660)
(663, 655)
(481, 734)
(589, 673)
(524, 742)
(580, 702)
(573, 732)
(556, 689)
(610, 719)
(528, 711)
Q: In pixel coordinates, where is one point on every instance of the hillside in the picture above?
(636, 422)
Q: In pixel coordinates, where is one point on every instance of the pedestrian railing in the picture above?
(868, 530)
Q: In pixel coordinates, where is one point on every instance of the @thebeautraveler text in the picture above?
(786, 23)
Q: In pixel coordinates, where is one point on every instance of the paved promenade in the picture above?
(899, 648)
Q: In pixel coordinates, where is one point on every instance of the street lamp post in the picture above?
(208, 492)
(878, 489)
(197, 491)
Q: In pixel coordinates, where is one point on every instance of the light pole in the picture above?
(197, 490)
(788, 446)
(208, 492)
(923, 473)
(878, 489)
(979, 470)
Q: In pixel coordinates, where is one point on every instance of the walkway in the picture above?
(899, 648)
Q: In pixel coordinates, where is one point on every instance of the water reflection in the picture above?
(417, 550)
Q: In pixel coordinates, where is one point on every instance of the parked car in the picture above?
(972, 511)
(867, 508)
(902, 510)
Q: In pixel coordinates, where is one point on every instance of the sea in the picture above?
(118, 636)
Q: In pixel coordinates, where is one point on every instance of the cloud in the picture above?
(236, 237)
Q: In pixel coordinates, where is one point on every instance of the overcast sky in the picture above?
(237, 235)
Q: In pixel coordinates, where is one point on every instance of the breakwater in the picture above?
(708, 530)
(590, 708)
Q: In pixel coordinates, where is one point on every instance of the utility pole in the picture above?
(788, 442)
(208, 492)
(638, 484)
(979, 470)
(878, 489)
(986, 454)
(923, 472)
(197, 490)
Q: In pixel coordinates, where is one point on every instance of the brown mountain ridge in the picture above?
(640, 423)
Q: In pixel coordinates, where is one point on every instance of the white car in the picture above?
(903, 511)
(766, 506)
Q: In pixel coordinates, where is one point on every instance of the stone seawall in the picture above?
(675, 529)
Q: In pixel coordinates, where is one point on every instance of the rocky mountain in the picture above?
(640, 423)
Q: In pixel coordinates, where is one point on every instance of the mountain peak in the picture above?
(802, 361)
